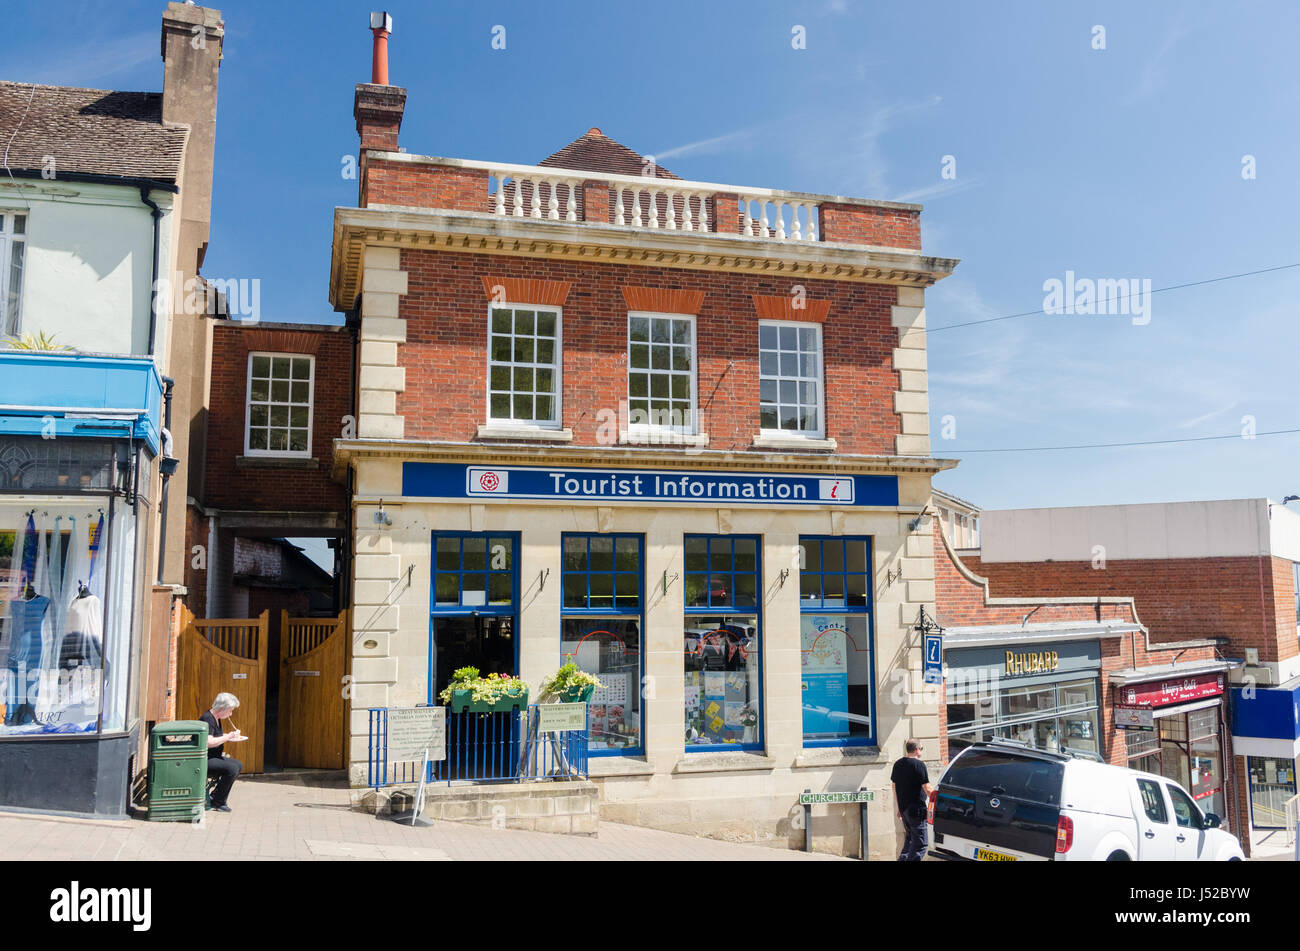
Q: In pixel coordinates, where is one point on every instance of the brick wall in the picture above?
(231, 486)
(864, 224)
(386, 182)
(446, 363)
(196, 581)
(1248, 600)
(960, 602)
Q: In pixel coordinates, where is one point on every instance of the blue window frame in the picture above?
(722, 643)
(602, 616)
(837, 664)
(722, 572)
(474, 605)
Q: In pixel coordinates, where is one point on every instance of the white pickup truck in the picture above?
(1003, 802)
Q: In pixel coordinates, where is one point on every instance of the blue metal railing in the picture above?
(483, 748)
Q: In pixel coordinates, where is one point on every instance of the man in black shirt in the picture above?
(911, 793)
(223, 768)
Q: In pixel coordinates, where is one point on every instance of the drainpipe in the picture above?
(166, 466)
(211, 594)
(156, 212)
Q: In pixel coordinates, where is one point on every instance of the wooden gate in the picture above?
(313, 708)
(226, 655)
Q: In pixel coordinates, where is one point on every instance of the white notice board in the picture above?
(412, 730)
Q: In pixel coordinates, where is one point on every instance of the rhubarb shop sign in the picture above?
(559, 484)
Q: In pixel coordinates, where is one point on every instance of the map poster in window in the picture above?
(825, 675)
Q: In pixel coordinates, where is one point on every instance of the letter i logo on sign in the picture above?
(488, 481)
(835, 490)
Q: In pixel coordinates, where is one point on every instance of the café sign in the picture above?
(1164, 693)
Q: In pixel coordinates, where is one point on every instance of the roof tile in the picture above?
(89, 131)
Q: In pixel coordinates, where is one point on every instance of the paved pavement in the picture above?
(306, 817)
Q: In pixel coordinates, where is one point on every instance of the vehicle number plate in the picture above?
(988, 855)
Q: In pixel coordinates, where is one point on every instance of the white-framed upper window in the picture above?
(13, 249)
(661, 372)
(790, 379)
(280, 388)
(524, 345)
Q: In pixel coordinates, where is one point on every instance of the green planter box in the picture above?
(578, 694)
(462, 701)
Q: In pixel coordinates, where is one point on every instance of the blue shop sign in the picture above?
(933, 658)
(557, 483)
(1266, 720)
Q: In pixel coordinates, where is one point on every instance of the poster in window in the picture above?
(825, 676)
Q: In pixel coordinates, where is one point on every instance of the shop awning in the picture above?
(1191, 668)
(51, 394)
(991, 634)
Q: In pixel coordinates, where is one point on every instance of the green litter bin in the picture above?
(178, 770)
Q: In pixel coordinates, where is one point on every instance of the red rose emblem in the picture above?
(489, 481)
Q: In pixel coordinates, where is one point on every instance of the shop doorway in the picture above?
(475, 606)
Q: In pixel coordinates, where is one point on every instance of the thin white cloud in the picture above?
(941, 190)
(91, 64)
(1155, 73)
(1204, 418)
(862, 149)
(711, 144)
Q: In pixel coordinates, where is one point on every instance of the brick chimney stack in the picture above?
(192, 37)
(378, 107)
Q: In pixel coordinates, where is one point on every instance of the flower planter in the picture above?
(462, 701)
(578, 694)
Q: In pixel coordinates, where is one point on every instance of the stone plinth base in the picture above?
(570, 808)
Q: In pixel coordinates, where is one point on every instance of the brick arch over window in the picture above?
(790, 308)
(662, 300)
(280, 341)
(519, 290)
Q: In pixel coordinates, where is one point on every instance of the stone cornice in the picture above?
(481, 233)
(348, 451)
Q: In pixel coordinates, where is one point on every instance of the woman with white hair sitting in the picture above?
(223, 768)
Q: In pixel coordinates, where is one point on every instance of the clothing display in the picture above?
(24, 660)
(54, 674)
(83, 639)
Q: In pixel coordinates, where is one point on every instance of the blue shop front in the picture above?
(1266, 733)
(79, 434)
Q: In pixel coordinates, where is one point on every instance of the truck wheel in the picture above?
(1117, 856)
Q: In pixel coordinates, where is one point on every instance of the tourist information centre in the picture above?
(753, 631)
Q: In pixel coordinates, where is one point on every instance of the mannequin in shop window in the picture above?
(1053, 744)
(24, 661)
(83, 634)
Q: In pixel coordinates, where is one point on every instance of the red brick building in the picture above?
(673, 431)
(1219, 571)
(271, 480)
(280, 395)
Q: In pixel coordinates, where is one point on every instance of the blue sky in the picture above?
(1123, 162)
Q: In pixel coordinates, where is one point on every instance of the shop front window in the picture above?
(835, 645)
(600, 631)
(1272, 783)
(1051, 716)
(55, 577)
(722, 640)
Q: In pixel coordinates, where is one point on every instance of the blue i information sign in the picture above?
(934, 658)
